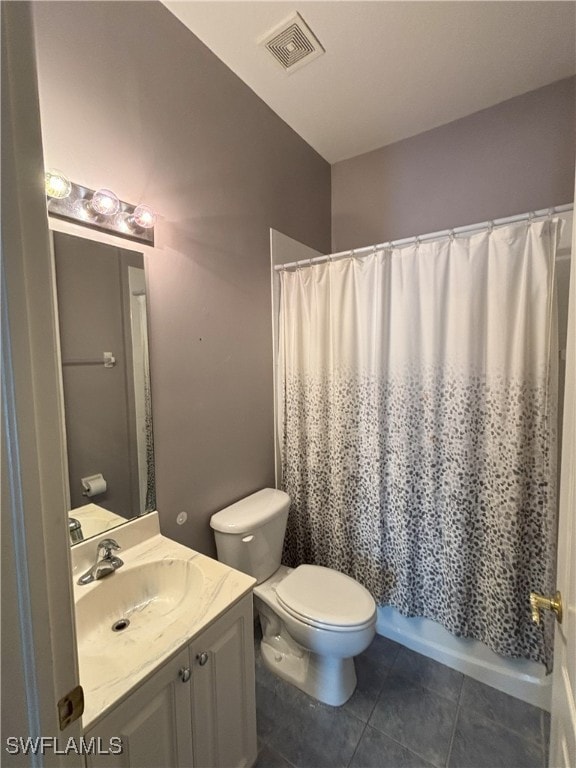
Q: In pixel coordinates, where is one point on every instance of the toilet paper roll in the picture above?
(93, 485)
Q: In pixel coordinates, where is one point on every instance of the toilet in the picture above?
(314, 619)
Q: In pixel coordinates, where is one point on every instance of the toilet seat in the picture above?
(326, 599)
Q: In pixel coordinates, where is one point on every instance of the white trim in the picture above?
(563, 725)
(58, 352)
(37, 605)
(70, 228)
(16, 497)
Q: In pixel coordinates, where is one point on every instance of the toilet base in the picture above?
(325, 678)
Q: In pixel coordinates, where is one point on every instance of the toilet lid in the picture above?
(325, 597)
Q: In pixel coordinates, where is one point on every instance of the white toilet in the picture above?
(314, 619)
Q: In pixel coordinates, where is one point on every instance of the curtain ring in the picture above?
(451, 235)
(550, 212)
(491, 227)
(417, 242)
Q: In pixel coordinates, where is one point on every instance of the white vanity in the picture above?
(174, 679)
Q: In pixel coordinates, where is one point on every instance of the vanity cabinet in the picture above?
(196, 711)
(153, 723)
(223, 691)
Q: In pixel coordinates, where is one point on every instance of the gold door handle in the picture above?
(541, 602)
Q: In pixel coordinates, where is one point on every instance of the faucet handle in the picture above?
(108, 545)
(75, 530)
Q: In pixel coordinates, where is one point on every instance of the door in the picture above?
(39, 665)
(563, 733)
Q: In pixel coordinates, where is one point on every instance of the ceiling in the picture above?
(391, 69)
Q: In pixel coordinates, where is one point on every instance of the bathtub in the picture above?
(524, 679)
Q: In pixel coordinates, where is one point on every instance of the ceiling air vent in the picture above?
(292, 43)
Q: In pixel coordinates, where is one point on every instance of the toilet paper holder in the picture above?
(93, 485)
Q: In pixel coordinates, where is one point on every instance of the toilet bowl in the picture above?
(314, 650)
(314, 619)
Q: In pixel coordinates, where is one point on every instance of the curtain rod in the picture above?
(431, 236)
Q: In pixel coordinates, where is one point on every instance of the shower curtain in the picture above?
(417, 422)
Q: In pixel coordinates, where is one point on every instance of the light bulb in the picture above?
(105, 202)
(122, 222)
(144, 216)
(56, 184)
(82, 209)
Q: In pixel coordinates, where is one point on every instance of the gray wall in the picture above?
(515, 157)
(132, 100)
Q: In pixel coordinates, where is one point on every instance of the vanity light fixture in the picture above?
(144, 216)
(105, 202)
(122, 223)
(80, 211)
(100, 209)
(56, 184)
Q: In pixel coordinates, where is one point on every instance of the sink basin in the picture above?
(134, 606)
(163, 596)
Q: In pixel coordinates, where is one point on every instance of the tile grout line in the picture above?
(401, 744)
(407, 749)
(367, 721)
(545, 741)
(456, 716)
(357, 745)
(418, 682)
(539, 741)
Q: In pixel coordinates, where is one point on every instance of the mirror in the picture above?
(102, 316)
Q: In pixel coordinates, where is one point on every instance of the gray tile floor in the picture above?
(407, 712)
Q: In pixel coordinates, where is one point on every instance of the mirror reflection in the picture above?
(106, 383)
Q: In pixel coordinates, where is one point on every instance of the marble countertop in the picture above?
(94, 519)
(113, 664)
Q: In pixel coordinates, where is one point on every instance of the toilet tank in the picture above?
(250, 533)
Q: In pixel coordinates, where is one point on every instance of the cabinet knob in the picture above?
(202, 658)
(185, 674)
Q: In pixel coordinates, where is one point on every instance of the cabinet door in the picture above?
(223, 691)
(154, 723)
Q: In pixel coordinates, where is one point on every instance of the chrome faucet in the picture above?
(105, 565)
(75, 530)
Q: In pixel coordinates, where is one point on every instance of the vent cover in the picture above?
(292, 43)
